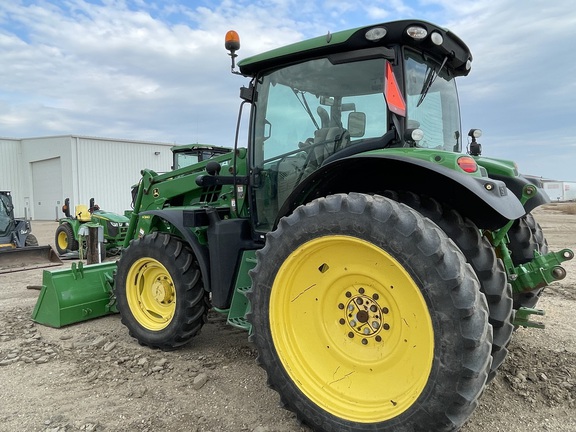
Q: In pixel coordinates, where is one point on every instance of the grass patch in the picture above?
(569, 209)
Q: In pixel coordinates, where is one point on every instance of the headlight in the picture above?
(436, 38)
(375, 34)
(417, 32)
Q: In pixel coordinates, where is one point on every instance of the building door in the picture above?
(47, 189)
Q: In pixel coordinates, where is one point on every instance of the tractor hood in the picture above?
(112, 217)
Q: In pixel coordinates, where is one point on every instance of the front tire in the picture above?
(366, 317)
(30, 241)
(159, 292)
(65, 240)
(526, 237)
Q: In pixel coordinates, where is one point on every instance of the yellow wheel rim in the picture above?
(62, 240)
(351, 328)
(151, 294)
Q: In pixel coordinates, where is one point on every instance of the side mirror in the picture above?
(357, 124)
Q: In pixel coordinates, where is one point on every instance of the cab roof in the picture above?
(459, 56)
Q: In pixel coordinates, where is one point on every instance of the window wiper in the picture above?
(302, 99)
(429, 80)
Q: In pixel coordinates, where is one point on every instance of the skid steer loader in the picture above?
(378, 269)
(19, 248)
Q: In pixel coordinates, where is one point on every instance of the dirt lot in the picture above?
(94, 377)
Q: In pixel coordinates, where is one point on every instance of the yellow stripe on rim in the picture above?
(151, 294)
(351, 328)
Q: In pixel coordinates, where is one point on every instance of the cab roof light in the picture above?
(467, 164)
(375, 34)
(416, 32)
(436, 38)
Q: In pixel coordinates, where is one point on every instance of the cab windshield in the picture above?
(296, 102)
(432, 103)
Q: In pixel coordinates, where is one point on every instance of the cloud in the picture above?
(157, 70)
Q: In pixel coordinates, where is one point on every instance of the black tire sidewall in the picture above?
(67, 229)
(31, 240)
(162, 248)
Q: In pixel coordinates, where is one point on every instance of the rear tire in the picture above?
(367, 318)
(481, 256)
(159, 292)
(526, 237)
(64, 239)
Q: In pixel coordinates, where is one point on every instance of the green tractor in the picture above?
(69, 236)
(379, 271)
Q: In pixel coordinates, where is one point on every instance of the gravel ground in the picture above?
(94, 377)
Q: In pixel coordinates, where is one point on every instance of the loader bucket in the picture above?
(28, 258)
(77, 294)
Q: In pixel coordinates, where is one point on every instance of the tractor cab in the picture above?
(388, 89)
(190, 154)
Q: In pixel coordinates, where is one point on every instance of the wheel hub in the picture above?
(162, 291)
(363, 315)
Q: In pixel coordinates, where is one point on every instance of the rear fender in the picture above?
(487, 202)
(518, 184)
(176, 219)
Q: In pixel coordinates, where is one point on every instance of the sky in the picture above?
(157, 70)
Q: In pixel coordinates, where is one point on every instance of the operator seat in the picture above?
(328, 141)
(82, 213)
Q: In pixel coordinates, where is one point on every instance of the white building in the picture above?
(42, 172)
(560, 190)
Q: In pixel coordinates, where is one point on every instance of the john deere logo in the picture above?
(155, 193)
